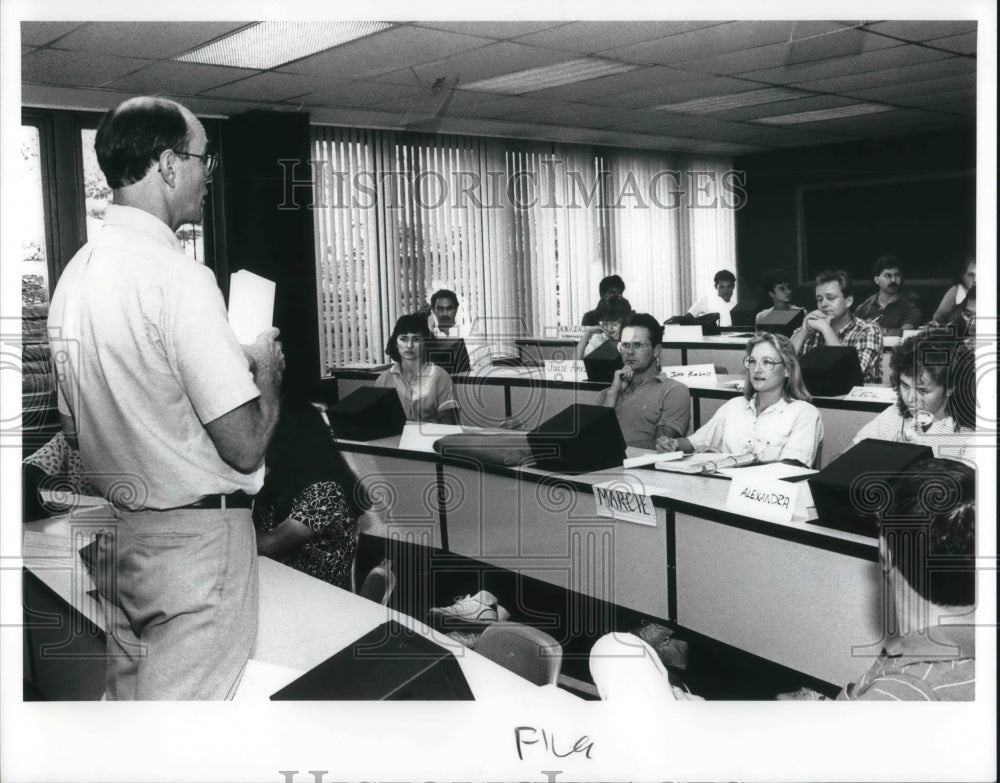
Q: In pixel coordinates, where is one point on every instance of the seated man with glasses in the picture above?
(773, 420)
(649, 406)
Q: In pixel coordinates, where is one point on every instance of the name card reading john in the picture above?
(692, 374)
(772, 500)
(565, 369)
(872, 394)
(624, 500)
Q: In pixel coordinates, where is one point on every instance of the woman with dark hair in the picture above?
(773, 420)
(306, 514)
(934, 376)
(957, 294)
(425, 390)
(611, 317)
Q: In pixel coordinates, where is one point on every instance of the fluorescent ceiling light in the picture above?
(550, 76)
(821, 115)
(738, 100)
(270, 44)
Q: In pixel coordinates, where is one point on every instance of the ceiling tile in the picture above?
(496, 106)
(894, 92)
(72, 69)
(495, 59)
(178, 78)
(685, 86)
(152, 40)
(961, 44)
(877, 61)
(270, 86)
(359, 94)
(389, 50)
(491, 29)
(951, 66)
(807, 103)
(921, 30)
(606, 36)
(44, 33)
(597, 90)
(951, 102)
(576, 114)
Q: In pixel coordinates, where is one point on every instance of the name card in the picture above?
(908, 333)
(571, 332)
(873, 394)
(692, 374)
(673, 333)
(772, 500)
(564, 369)
(626, 501)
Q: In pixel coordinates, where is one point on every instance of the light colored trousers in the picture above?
(181, 603)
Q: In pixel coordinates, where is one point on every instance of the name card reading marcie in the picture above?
(692, 374)
(566, 369)
(772, 500)
(625, 501)
(872, 394)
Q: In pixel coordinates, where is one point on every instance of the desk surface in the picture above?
(302, 621)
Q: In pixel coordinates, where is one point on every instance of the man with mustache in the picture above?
(889, 308)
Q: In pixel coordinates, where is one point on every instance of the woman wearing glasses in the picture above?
(774, 419)
(425, 390)
(935, 379)
(611, 317)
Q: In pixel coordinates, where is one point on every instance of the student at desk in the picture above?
(774, 419)
(779, 287)
(648, 405)
(611, 318)
(425, 390)
(935, 378)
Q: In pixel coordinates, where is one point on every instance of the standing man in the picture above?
(648, 404)
(832, 324)
(889, 308)
(610, 289)
(171, 415)
(444, 310)
(721, 302)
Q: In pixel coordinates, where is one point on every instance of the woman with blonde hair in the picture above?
(773, 420)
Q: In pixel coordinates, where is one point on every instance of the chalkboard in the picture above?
(928, 223)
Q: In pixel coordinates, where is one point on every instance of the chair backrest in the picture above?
(379, 583)
(526, 651)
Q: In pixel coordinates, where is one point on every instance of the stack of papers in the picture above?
(706, 462)
(652, 459)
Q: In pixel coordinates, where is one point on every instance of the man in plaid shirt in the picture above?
(833, 324)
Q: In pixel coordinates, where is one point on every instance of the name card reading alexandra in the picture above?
(625, 500)
(692, 374)
(565, 369)
(873, 394)
(772, 500)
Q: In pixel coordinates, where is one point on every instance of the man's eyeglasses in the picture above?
(636, 347)
(210, 160)
(767, 363)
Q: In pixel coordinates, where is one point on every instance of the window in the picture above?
(34, 244)
(522, 231)
(97, 197)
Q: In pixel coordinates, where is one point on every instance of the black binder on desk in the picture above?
(602, 362)
(390, 663)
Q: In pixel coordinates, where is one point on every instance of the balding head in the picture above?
(131, 137)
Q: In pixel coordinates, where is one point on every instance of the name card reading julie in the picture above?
(772, 500)
(692, 374)
(564, 369)
(873, 394)
(624, 500)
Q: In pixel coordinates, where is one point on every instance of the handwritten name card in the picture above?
(625, 501)
(565, 370)
(770, 499)
(872, 394)
(692, 374)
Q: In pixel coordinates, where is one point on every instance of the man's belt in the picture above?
(238, 499)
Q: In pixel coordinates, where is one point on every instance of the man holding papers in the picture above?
(773, 420)
(648, 405)
(171, 415)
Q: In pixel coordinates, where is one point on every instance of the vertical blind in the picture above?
(522, 231)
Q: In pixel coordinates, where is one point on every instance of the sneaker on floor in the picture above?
(479, 608)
